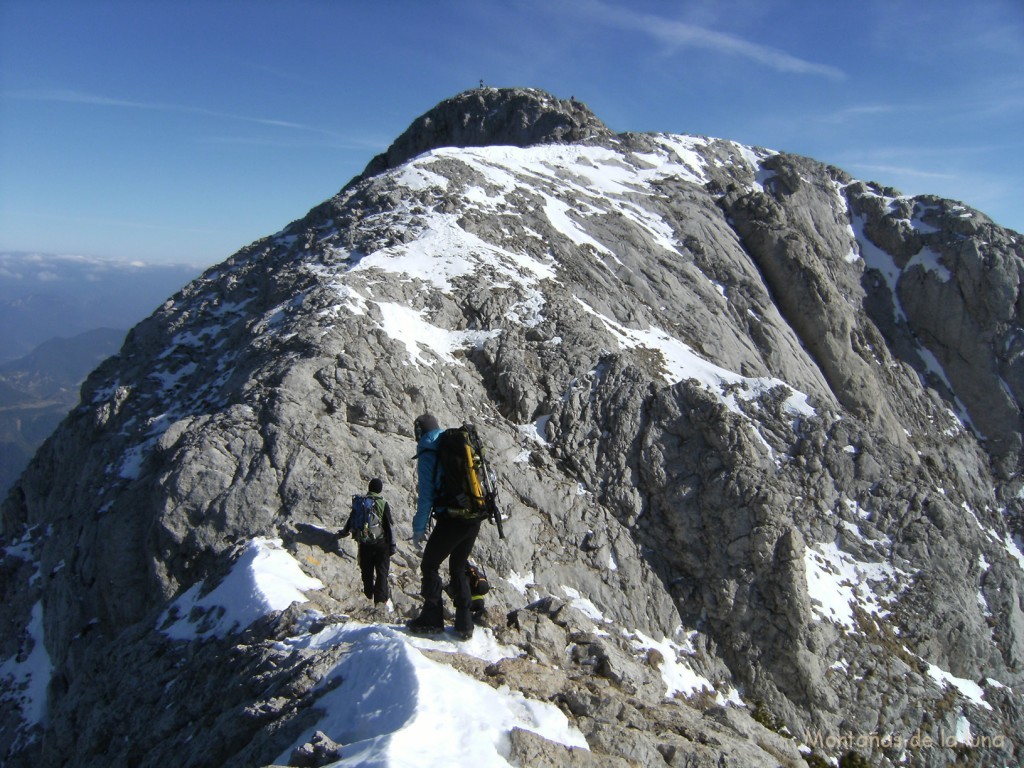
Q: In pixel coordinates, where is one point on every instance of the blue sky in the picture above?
(182, 131)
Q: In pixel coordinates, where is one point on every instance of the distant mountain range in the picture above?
(45, 296)
(61, 317)
(38, 390)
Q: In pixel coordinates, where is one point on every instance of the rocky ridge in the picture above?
(740, 402)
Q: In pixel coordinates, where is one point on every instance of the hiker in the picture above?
(451, 538)
(370, 525)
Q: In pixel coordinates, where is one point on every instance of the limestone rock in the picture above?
(756, 426)
(316, 753)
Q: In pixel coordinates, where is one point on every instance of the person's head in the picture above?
(376, 486)
(423, 424)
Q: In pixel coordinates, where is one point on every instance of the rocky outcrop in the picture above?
(957, 293)
(742, 405)
(519, 117)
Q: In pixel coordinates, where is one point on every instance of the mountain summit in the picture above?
(757, 430)
(518, 117)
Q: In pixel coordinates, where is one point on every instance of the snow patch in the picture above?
(679, 677)
(836, 582)
(682, 363)
(385, 700)
(520, 582)
(583, 605)
(27, 679)
(264, 579)
(968, 688)
(410, 328)
(1013, 547)
(537, 431)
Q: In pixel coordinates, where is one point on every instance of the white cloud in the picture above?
(677, 34)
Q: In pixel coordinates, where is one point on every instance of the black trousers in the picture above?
(374, 564)
(453, 539)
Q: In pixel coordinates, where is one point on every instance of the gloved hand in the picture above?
(344, 534)
(393, 549)
(418, 537)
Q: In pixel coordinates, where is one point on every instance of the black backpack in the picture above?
(367, 521)
(465, 483)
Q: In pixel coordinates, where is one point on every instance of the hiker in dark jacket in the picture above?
(452, 538)
(375, 556)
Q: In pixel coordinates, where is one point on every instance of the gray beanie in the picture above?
(426, 423)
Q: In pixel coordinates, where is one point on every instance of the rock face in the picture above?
(739, 402)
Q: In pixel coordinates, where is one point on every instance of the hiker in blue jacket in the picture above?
(451, 538)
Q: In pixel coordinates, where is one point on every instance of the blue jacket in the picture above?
(426, 475)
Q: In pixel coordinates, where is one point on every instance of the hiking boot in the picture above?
(424, 626)
(463, 624)
(430, 620)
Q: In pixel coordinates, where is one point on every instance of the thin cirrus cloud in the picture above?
(904, 171)
(78, 97)
(863, 110)
(677, 34)
(969, 108)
